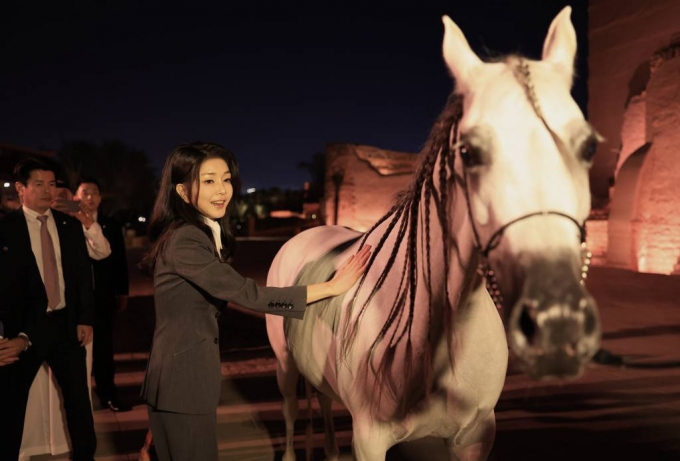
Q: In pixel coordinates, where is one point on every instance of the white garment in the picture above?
(97, 246)
(34, 232)
(45, 424)
(216, 231)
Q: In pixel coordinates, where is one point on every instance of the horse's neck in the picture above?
(434, 288)
(461, 278)
(461, 257)
(413, 335)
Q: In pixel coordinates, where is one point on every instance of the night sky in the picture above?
(273, 80)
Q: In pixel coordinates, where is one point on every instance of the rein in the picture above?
(484, 268)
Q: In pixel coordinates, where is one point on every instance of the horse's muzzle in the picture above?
(554, 327)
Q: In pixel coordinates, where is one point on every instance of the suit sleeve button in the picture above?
(270, 305)
(216, 340)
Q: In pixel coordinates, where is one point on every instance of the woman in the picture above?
(192, 280)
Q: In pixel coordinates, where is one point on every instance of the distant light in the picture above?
(141, 219)
(6, 184)
(251, 190)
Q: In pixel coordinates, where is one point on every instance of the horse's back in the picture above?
(309, 257)
(315, 244)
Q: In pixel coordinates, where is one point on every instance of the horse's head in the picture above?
(523, 153)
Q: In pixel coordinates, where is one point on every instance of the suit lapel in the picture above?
(20, 231)
(22, 241)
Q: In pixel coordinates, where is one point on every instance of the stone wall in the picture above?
(657, 208)
(644, 231)
(368, 180)
(623, 36)
(622, 249)
(634, 101)
(596, 238)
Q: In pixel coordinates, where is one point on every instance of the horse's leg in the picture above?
(287, 376)
(476, 444)
(331, 446)
(371, 441)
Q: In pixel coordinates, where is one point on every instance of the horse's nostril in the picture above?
(527, 323)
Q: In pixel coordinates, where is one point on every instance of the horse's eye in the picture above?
(471, 156)
(588, 149)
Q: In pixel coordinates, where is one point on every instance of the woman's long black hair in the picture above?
(170, 211)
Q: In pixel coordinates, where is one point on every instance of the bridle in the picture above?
(484, 268)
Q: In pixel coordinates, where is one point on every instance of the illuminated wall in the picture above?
(657, 208)
(367, 179)
(623, 35)
(634, 101)
(622, 249)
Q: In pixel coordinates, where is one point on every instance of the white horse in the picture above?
(418, 348)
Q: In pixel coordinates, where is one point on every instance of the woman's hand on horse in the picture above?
(345, 277)
(348, 274)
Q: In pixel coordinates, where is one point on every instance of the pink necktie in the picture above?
(50, 274)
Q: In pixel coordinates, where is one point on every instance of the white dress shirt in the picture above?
(34, 233)
(97, 245)
(217, 233)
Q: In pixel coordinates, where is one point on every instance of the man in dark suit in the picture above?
(47, 310)
(110, 294)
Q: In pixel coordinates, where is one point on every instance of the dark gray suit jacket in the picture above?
(190, 285)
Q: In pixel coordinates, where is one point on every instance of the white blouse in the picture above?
(217, 233)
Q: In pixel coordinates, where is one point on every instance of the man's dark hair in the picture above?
(62, 183)
(23, 169)
(87, 180)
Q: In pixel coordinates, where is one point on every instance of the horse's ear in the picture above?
(458, 55)
(560, 44)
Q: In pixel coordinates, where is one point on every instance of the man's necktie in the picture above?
(50, 273)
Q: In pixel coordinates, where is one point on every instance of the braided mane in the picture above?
(403, 223)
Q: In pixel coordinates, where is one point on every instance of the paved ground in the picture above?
(611, 413)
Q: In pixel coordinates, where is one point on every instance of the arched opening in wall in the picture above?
(633, 125)
(638, 83)
(621, 247)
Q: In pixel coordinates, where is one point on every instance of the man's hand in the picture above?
(10, 350)
(84, 334)
(84, 216)
(122, 302)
